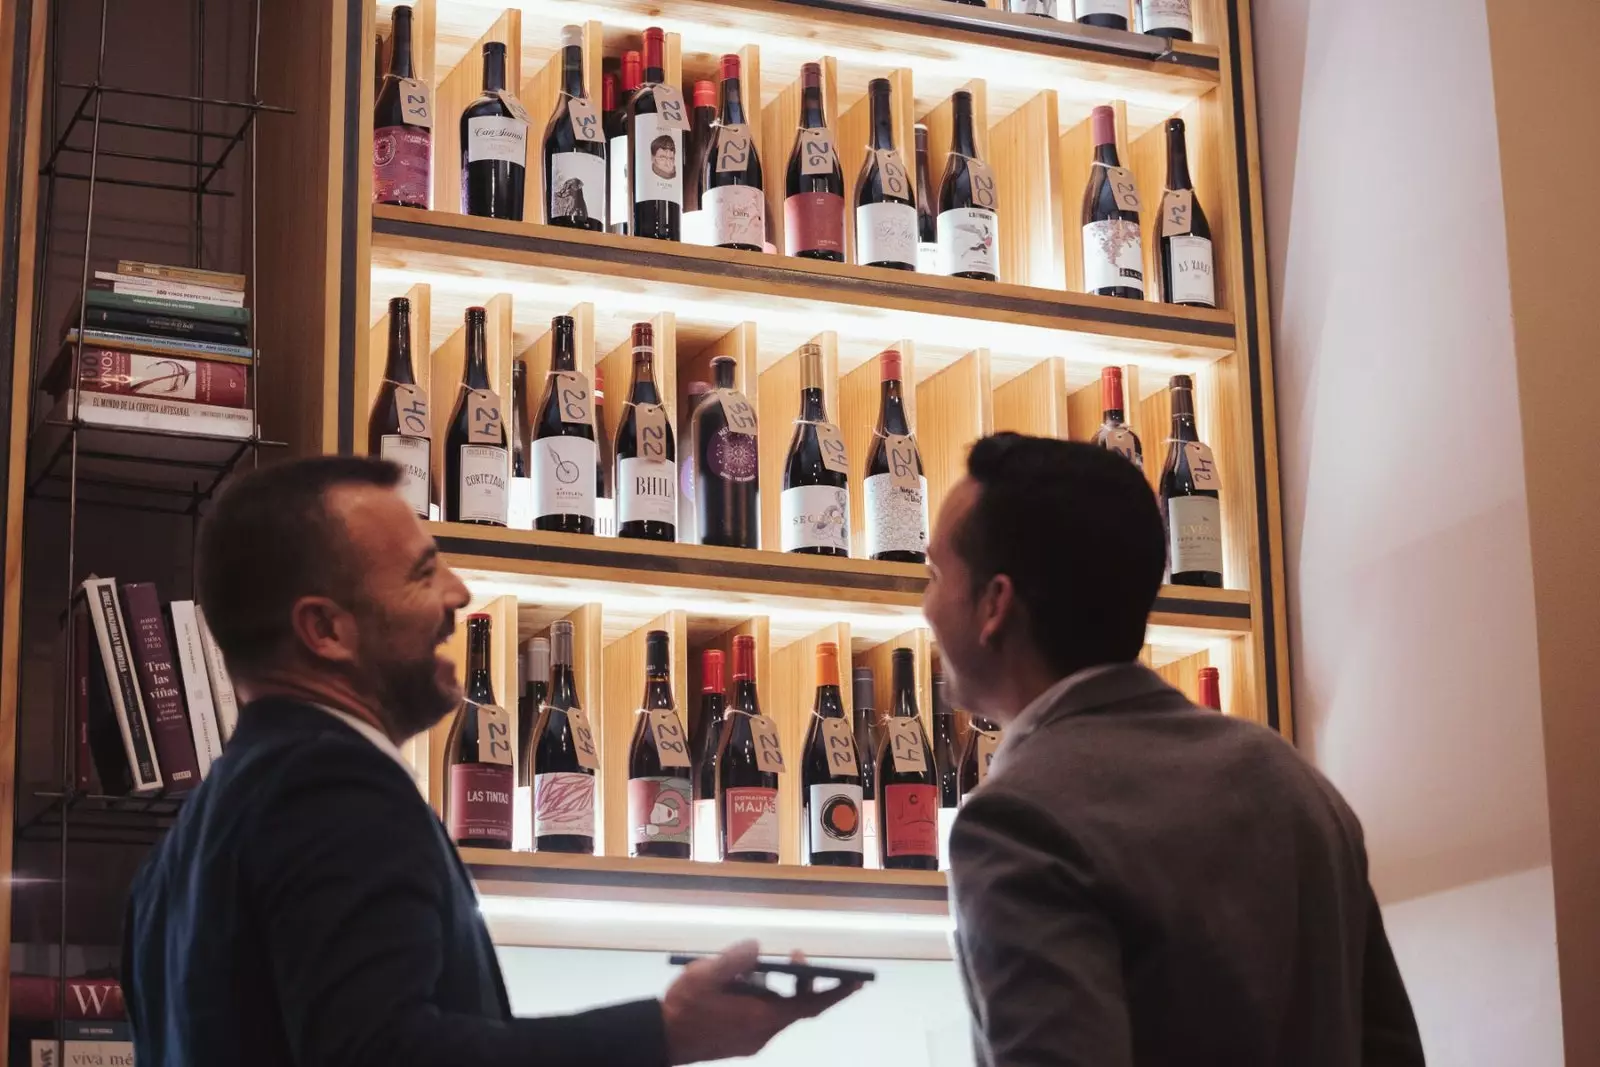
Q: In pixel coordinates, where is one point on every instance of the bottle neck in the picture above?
(744, 696)
(476, 375)
(811, 116)
(657, 691)
(1177, 161)
(562, 357)
(905, 691)
(813, 406)
(563, 687)
(400, 42)
(882, 122)
(892, 409)
(478, 664)
(962, 141)
(398, 368)
(1107, 154)
(732, 103)
(494, 72)
(654, 75)
(711, 704)
(1183, 424)
(829, 703)
(644, 381)
(572, 71)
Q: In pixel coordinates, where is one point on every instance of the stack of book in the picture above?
(164, 348)
(95, 1031)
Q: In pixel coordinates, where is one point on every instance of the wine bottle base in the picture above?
(1122, 292)
(569, 844)
(591, 225)
(648, 531)
(976, 275)
(1175, 35)
(402, 203)
(838, 552)
(742, 247)
(480, 522)
(1206, 579)
(901, 557)
(1106, 22)
(890, 265)
(751, 857)
(911, 863)
(504, 214)
(476, 842)
(834, 859)
(578, 524)
(827, 257)
(667, 850)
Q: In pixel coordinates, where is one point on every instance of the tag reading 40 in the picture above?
(672, 747)
(585, 119)
(411, 404)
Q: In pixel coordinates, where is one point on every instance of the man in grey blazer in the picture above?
(1139, 881)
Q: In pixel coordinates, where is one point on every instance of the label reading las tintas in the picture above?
(564, 476)
(411, 455)
(1192, 279)
(886, 233)
(1112, 256)
(480, 802)
(647, 490)
(577, 186)
(657, 161)
(659, 810)
(497, 138)
(563, 803)
(815, 516)
(1194, 534)
(833, 816)
(484, 472)
(968, 242)
(897, 516)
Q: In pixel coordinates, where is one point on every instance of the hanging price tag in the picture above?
(832, 444)
(1202, 465)
(415, 106)
(769, 750)
(983, 190)
(733, 148)
(674, 114)
(817, 155)
(585, 119)
(1123, 443)
(411, 403)
(650, 423)
(583, 739)
(494, 734)
(901, 452)
(892, 173)
(840, 746)
(905, 744)
(1124, 188)
(987, 744)
(672, 747)
(739, 412)
(1177, 212)
(484, 427)
(574, 400)
(513, 105)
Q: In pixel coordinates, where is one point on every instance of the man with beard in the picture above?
(308, 908)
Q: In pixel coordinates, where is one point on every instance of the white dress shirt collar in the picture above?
(373, 734)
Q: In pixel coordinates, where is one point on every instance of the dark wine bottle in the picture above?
(478, 755)
(1043, 8)
(927, 214)
(655, 149)
(947, 762)
(1113, 257)
(910, 810)
(1210, 688)
(1114, 435)
(702, 138)
(565, 457)
(1167, 18)
(647, 457)
(535, 688)
(867, 736)
(563, 788)
(1183, 269)
(815, 506)
(830, 783)
(1107, 14)
(748, 795)
(402, 126)
(618, 210)
(713, 698)
(735, 207)
(886, 205)
(726, 465)
(969, 225)
(660, 811)
(521, 435)
(813, 205)
(494, 145)
(983, 734)
(574, 148)
(605, 504)
(1190, 492)
(895, 491)
(476, 460)
(399, 429)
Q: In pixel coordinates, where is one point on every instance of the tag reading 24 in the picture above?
(583, 739)
(485, 426)
(905, 743)
(831, 442)
(1177, 212)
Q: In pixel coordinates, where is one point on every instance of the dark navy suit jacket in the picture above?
(309, 910)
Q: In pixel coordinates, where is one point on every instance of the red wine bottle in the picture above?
(616, 126)
(605, 504)
(402, 127)
(895, 491)
(563, 788)
(984, 734)
(815, 506)
(535, 688)
(1114, 434)
(910, 810)
(398, 429)
(574, 148)
(867, 737)
(748, 795)
(1113, 258)
(655, 150)
(1190, 497)
(660, 811)
(830, 783)
(813, 205)
(1210, 688)
(702, 138)
(947, 762)
(969, 226)
(1107, 14)
(1167, 18)
(735, 207)
(478, 755)
(726, 466)
(647, 457)
(713, 699)
(494, 145)
(476, 459)
(927, 216)
(565, 457)
(886, 205)
(1183, 268)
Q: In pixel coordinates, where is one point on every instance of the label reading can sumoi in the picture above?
(564, 476)
(815, 516)
(672, 746)
(833, 815)
(411, 455)
(1202, 466)
(840, 746)
(577, 186)
(482, 494)
(1113, 256)
(905, 744)
(1192, 278)
(1194, 534)
(497, 138)
(494, 734)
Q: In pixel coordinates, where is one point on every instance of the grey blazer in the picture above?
(1144, 882)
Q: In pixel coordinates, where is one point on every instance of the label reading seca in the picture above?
(840, 746)
(583, 739)
(672, 748)
(901, 452)
(1202, 465)
(733, 148)
(513, 105)
(817, 154)
(769, 750)
(983, 191)
(831, 442)
(585, 119)
(411, 403)
(414, 104)
(905, 744)
(892, 173)
(670, 107)
(574, 400)
(484, 422)
(739, 412)
(987, 743)
(494, 734)
(650, 422)
(1123, 187)
(1177, 212)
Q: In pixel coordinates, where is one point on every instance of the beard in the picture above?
(411, 693)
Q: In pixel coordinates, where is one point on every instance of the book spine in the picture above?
(105, 370)
(219, 333)
(188, 275)
(148, 413)
(82, 1053)
(33, 997)
(169, 722)
(161, 305)
(200, 294)
(81, 678)
(196, 685)
(122, 686)
(221, 683)
(165, 345)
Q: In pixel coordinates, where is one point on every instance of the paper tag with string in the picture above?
(892, 173)
(484, 425)
(1122, 441)
(585, 119)
(982, 178)
(831, 442)
(817, 154)
(987, 744)
(840, 746)
(1177, 212)
(1123, 187)
(901, 453)
(513, 105)
(769, 749)
(574, 399)
(411, 404)
(1202, 465)
(415, 107)
(905, 744)
(672, 746)
(494, 735)
(650, 424)
(583, 739)
(670, 108)
(739, 412)
(733, 148)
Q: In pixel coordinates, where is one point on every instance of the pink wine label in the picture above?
(910, 820)
(752, 819)
(660, 810)
(813, 222)
(563, 803)
(732, 456)
(401, 159)
(480, 803)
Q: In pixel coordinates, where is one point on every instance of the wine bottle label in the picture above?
(519, 504)
(657, 170)
(813, 222)
(833, 813)
(886, 233)
(927, 257)
(1112, 256)
(564, 476)
(910, 820)
(707, 847)
(1166, 15)
(752, 814)
(480, 802)
(577, 186)
(947, 820)
(1102, 7)
(647, 490)
(732, 456)
(617, 184)
(897, 516)
(522, 818)
(870, 848)
(815, 516)
(605, 517)
(485, 470)
(695, 227)
(1192, 279)
(411, 455)
(969, 241)
(1194, 534)
(563, 803)
(737, 213)
(1046, 8)
(660, 811)
(401, 161)
(497, 138)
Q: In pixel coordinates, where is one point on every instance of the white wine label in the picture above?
(707, 847)
(840, 746)
(411, 454)
(1202, 465)
(617, 182)
(733, 148)
(564, 476)
(657, 161)
(672, 744)
(577, 186)
(1046, 8)
(1112, 256)
(1177, 212)
(817, 154)
(484, 428)
(695, 227)
(650, 425)
(988, 742)
(947, 821)
(833, 814)
(904, 738)
(740, 413)
(969, 242)
(1194, 534)
(752, 814)
(897, 516)
(647, 490)
(671, 111)
(1102, 7)
(869, 835)
(769, 750)
(737, 215)
(574, 398)
(519, 505)
(927, 257)
(831, 442)
(513, 105)
(497, 138)
(494, 735)
(660, 811)
(585, 119)
(1166, 15)
(886, 233)
(583, 739)
(815, 516)
(485, 469)
(892, 173)
(1192, 279)
(1123, 187)
(411, 404)
(563, 803)
(414, 103)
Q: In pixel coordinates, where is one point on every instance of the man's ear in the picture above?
(997, 606)
(323, 629)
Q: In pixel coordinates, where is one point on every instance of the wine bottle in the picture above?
(656, 123)
(702, 136)
(748, 795)
(1107, 14)
(605, 504)
(927, 216)
(399, 429)
(478, 755)
(886, 206)
(908, 779)
(494, 145)
(813, 189)
(981, 742)
(815, 506)
(1113, 258)
(1210, 688)
(402, 126)
(735, 207)
(830, 783)
(520, 501)
(866, 729)
(535, 688)
(1167, 18)
(1114, 434)
(1183, 269)
(565, 457)
(969, 226)
(1190, 497)
(476, 460)
(726, 464)
(647, 467)
(947, 765)
(574, 148)
(1043, 8)
(618, 208)
(563, 778)
(688, 521)
(707, 838)
(895, 491)
(660, 811)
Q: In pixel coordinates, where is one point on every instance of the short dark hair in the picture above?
(664, 143)
(268, 541)
(1078, 531)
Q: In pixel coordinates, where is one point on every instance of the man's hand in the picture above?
(707, 1020)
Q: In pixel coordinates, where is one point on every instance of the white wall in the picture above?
(1405, 508)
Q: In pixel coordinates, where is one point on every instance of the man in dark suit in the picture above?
(1139, 882)
(308, 908)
